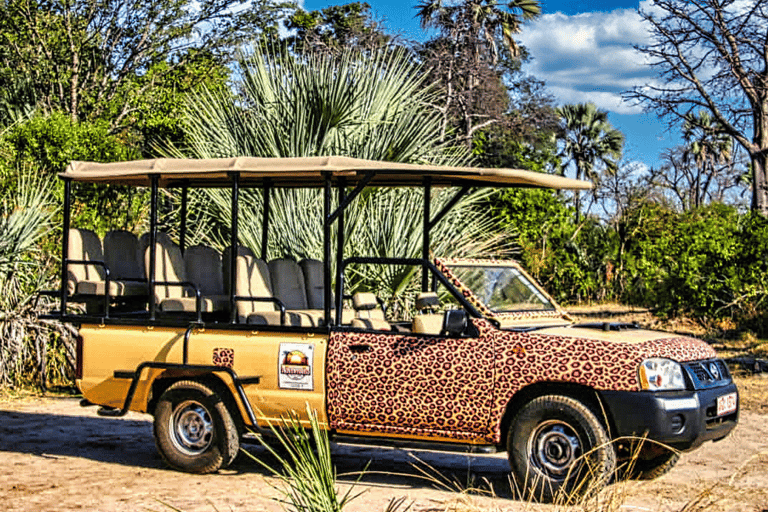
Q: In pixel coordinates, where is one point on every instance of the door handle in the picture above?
(360, 347)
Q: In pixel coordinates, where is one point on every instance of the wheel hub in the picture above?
(554, 448)
(192, 428)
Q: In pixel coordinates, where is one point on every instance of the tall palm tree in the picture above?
(589, 142)
(360, 104)
(479, 20)
(707, 145)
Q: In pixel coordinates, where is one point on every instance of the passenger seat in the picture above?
(176, 296)
(83, 279)
(427, 320)
(368, 313)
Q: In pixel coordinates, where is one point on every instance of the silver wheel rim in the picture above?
(191, 428)
(554, 448)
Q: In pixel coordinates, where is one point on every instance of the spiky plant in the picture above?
(32, 351)
(369, 105)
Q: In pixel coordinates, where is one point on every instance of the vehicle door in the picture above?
(411, 384)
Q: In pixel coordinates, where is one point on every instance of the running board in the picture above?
(413, 444)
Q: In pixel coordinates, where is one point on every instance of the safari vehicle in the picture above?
(215, 347)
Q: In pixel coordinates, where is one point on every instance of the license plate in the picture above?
(726, 404)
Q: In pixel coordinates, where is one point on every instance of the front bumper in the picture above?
(681, 419)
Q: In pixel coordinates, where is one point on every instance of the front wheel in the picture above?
(194, 430)
(559, 450)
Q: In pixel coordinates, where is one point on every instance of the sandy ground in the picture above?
(56, 455)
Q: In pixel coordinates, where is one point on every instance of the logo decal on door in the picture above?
(295, 366)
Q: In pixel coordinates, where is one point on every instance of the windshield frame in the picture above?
(446, 266)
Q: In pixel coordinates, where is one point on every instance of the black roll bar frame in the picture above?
(330, 216)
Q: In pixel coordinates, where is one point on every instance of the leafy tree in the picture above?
(336, 27)
(470, 56)
(589, 142)
(48, 143)
(710, 54)
(93, 58)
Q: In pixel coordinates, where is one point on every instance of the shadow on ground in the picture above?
(129, 442)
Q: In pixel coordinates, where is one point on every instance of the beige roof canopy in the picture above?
(305, 172)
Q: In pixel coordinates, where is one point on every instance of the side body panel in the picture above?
(284, 385)
(425, 387)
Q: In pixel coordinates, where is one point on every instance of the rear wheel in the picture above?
(559, 450)
(194, 430)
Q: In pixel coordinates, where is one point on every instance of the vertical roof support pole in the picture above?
(183, 219)
(152, 244)
(65, 244)
(327, 249)
(425, 233)
(340, 250)
(265, 218)
(233, 244)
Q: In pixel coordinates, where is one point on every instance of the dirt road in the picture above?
(55, 455)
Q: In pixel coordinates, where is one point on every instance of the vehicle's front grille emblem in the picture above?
(714, 370)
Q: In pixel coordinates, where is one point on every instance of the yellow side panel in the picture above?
(109, 348)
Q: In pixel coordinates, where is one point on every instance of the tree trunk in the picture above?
(760, 182)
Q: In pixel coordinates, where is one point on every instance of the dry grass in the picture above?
(753, 392)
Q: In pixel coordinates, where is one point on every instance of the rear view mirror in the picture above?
(454, 323)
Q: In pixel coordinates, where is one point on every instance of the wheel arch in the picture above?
(214, 381)
(585, 394)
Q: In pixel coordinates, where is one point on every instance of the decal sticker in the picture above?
(224, 357)
(295, 366)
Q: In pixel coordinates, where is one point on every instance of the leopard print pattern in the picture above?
(224, 357)
(459, 388)
(461, 288)
(409, 385)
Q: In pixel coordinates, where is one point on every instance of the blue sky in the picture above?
(583, 51)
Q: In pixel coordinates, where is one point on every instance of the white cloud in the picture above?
(589, 56)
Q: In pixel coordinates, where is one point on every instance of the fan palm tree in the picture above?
(367, 105)
(707, 145)
(589, 142)
(479, 20)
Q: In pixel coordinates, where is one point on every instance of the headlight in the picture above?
(659, 374)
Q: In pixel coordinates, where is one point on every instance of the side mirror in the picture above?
(454, 323)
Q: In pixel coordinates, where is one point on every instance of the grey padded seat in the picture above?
(204, 269)
(124, 255)
(171, 267)
(314, 283)
(84, 245)
(289, 287)
(368, 314)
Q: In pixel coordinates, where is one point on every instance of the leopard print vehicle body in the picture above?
(459, 388)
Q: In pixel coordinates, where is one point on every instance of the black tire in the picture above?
(194, 430)
(559, 450)
(645, 468)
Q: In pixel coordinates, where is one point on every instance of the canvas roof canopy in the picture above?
(305, 172)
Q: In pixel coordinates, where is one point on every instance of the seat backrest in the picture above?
(169, 266)
(203, 268)
(314, 282)
(226, 262)
(253, 280)
(84, 245)
(288, 283)
(123, 255)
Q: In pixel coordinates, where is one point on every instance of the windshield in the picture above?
(503, 289)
